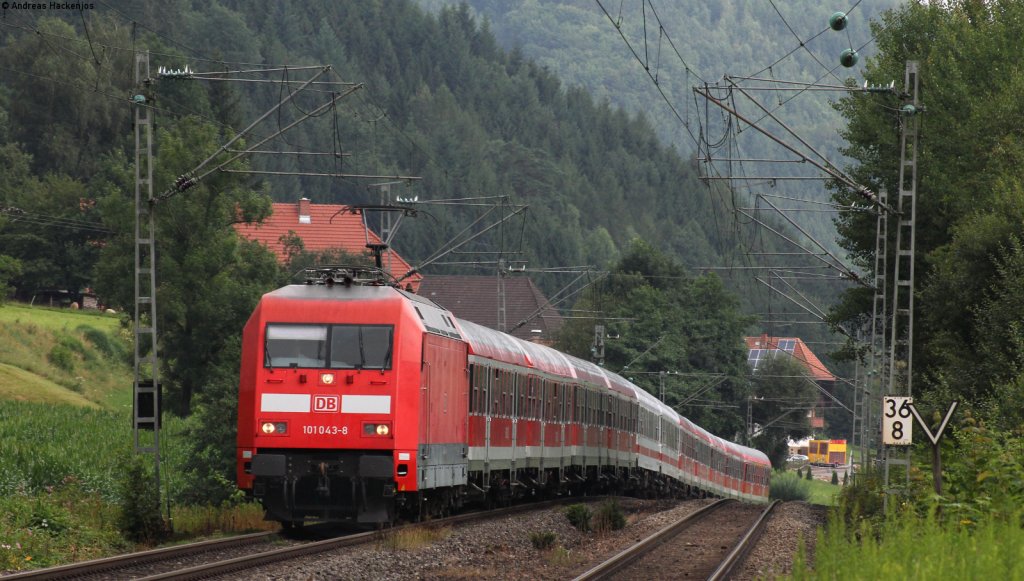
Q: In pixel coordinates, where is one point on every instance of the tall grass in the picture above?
(192, 521)
(912, 547)
(43, 445)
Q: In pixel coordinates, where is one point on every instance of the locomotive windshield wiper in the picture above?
(266, 354)
(387, 355)
(362, 356)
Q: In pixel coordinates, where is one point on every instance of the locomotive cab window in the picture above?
(335, 346)
(361, 346)
(295, 346)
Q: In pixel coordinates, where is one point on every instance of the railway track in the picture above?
(707, 544)
(140, 564)
(165, 564)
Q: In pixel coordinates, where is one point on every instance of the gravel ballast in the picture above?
(502, 548)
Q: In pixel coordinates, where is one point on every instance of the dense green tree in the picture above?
(52, 227)
(662, 319)
(969, 190)
(64, 99)
(208, 279)
(781, 396)
(9, 268)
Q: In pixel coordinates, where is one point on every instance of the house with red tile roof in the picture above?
(476, 299)
(322, 227)
(765, 347)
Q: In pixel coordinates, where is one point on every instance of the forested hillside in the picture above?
(598, 44)
(435, 97)
(441, 101)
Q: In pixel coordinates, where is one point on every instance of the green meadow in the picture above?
(66, 436)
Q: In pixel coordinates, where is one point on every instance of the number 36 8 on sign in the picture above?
(897, 421)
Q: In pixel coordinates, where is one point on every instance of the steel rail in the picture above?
(609, 568)
(132, 559)
(289, 553)
(742, 548)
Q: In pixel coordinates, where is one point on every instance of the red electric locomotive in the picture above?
(360, 401)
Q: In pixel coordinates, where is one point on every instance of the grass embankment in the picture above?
(65, 434)
(59, 356)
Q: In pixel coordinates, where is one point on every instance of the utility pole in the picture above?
(597, 349)
(502, 317)
(879, 315)
(386, 228)
(146, 386)
(750, 418)
(901, 348)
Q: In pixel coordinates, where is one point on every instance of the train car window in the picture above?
(479, 375)
(551, 392)
(474, 389)
(509, 381)
(496, 399)
(564, 411)
(295, 346)
(523, 407)
(541, 405)
(556, 403)
(361, 346)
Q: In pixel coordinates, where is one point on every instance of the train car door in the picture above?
(444, 409)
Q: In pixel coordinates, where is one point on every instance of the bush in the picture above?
(543, 540)
(862, 499)
(788, 486)
(140, 519)
(985, 475)
(9, 268)
(579, 516)
(809, 476)
(104, 343)
(800, 473)
(835, 478)
(609, 517)
(74, 345)
(62, 358)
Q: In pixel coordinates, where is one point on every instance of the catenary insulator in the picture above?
(848, 58)
(837, 21)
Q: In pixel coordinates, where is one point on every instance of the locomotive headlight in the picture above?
(327, 378)
(274, 428)
(371, 429)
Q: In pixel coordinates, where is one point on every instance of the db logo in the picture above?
(326, 403)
